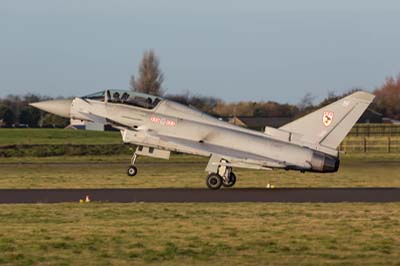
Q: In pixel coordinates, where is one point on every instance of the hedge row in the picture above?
(61, 149)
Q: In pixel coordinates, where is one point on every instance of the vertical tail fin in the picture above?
(329, 125)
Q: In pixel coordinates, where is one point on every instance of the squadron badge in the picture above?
(327, 118)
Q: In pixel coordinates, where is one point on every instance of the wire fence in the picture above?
(375, 130)
(370, 145)
(372, 138)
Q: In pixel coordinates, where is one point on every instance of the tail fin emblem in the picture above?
(327, 118)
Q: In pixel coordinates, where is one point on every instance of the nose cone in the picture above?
(57, 107)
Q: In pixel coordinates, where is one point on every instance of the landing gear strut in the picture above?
(231, 180)
(132, 170)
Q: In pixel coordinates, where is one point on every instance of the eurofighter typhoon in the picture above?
(159, 126)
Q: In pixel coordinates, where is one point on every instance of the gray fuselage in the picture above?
(174, 120)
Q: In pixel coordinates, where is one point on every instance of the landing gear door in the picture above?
(152, 152)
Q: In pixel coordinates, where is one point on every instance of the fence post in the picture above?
(389, 144)
(365, 144)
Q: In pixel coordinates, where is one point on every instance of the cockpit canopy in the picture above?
(126, 97)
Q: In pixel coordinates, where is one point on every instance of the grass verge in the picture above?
(32, 136)
(184, 171)
(200, 234)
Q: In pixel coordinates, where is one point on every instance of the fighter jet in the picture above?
(159, 126)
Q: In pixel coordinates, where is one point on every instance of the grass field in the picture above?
(56, 136)
(200, 234)
(53, 142)
(57, 142)
(193, 233)
(185, 171)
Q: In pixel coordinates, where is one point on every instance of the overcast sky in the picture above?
(234, 50)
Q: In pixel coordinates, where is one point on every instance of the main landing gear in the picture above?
(215, 180)
(220, 173)
(132, 170)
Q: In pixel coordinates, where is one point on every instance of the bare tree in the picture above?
(150, 76)
(306, 102)
(388, 98)
(333, 97)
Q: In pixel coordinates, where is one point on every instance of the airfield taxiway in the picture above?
(202, 195)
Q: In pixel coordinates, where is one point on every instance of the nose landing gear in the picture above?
(132, 170)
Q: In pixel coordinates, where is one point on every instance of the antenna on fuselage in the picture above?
(107, 96)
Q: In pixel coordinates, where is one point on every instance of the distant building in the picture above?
(259, 122)
(387, 120)
(84, 125)
(252, 122)
(370, 117)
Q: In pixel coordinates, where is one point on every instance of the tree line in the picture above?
(15, 111)
(150, 79)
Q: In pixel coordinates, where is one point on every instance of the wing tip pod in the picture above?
(363, 95)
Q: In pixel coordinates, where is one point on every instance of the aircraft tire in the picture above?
(214, 181)
(132, 170)
(231, 182)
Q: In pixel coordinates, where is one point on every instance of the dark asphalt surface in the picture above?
(202, 195)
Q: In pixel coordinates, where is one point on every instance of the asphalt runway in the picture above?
(202, 195)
